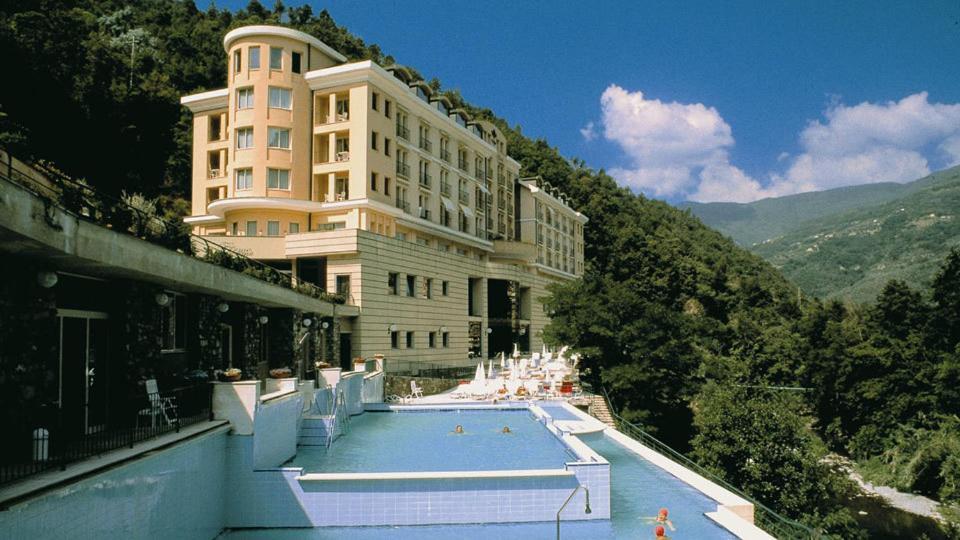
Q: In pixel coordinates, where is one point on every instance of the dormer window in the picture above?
(422, 94)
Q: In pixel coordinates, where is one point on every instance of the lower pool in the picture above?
(638, 489)
(420, 441)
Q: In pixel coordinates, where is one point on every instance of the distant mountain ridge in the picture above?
(848, 242)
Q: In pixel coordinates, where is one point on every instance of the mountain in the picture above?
(852, 254)
(766, 219)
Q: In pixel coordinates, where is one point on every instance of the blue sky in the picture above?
(704, 100)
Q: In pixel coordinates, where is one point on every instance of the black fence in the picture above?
(54, 437)
(434, 370)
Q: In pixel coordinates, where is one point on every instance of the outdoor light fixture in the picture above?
(47, 279)
(324, 325)
(523, 330)
(489, 330)
(264, 319)
(443, 329)
(162, 299)
(307, 323)
(223, 307)
(392, 327)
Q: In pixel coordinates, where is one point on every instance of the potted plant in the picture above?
(281, 373)
(232, 374)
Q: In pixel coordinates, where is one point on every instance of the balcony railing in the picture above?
(403, 205)
(215, 173)
(425, 179)
(425, 144)
(342, 156)
(462, 164)
(425, 214)
(403, 169)
(403, 132)
(445, 155)
(445, 189)
(464, 196)
(52, 437)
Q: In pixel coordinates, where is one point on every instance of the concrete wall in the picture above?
(276, 428)
(176, 493)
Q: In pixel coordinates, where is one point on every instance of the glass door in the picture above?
(83, 371)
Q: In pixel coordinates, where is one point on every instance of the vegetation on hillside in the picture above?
(691, 334)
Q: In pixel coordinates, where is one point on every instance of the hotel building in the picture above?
(360, 179)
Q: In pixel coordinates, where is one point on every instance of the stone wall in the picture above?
(400, 386)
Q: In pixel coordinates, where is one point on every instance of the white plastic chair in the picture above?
(415, 391)
(159, 405)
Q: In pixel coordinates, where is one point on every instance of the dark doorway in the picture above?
(313, 270)
(346, 361)
(83, 371)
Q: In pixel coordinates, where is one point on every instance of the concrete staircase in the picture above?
(598, 409)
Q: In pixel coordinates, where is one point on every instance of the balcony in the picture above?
(464, 196)
(424, 213)
(216, 173)
(403, 170)
(426, 180)
(445, 155)
(403, 205)
(403, 132)
(445, 189)
(425, 144)
(340, 157)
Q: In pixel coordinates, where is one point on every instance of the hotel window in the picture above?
(174, 324)
(235, 228)
(373, 181)
(251, 228)
(409, 340)
(412, 286)
(386, 185)
(276, 58)
(273, 228)
(343, 285)
(446, 339)
(278, 138)
(278, 178)
(244, 138)
(244, 98)
(445, 288)
(392, 278)
(387, 105)
(294, 228)
(375, 101)
(428, 287)
(244, 178)
(394, 340)
(236, 61)
(432, 340)
(279, 98)
(253, 58)
(374, 140)
(386, 147)
(296, 62)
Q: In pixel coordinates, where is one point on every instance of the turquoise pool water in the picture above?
(425, 441)
(558, 411)
(638, 489)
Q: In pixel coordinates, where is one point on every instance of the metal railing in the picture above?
(780, 526)
(403, 169)
(426, 144)
(403, 132)
(403, 205)
(453, 371)
(425, 179)
(445, 155)
(88, 204)
(53, 437)
(341, 418)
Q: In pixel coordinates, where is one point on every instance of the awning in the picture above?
(448, 204)
(483, 187)
(467, 211)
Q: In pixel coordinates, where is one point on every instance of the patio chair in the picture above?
(415, 391)
(160, 406)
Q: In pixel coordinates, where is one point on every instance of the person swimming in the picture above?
(662, 518)
(506, 429)
(660, 533)
(458, 430)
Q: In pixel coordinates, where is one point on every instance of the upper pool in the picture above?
(425, 441)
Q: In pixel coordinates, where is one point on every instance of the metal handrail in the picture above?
(782, 527)
(89, 204)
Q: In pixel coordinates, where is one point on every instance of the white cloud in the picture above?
(677, 150)
(589, 132)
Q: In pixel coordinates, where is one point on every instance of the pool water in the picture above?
(425, 441)
(558, 411)
(638, 489)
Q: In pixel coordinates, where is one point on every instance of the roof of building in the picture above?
(268, 30)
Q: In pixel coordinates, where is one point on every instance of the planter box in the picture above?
(236, 402)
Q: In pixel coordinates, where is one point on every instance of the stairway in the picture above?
(314, 430)
(598, 409)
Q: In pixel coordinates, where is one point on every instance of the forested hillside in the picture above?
(690, 333)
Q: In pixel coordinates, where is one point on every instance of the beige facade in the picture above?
(358, 178)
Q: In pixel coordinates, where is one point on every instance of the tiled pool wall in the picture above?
(175, 493)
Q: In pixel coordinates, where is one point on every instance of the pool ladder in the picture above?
(341, 418)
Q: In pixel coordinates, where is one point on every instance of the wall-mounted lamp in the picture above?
(162, 299)
(489, 330)
(264, 319)
(307, 322)
(523, 330)
(47, 279)
(443, 329)
(223, 307)
(392, 328)
(324, 325)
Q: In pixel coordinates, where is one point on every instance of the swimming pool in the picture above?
(557, 411)
(637, 490)
(425, 441)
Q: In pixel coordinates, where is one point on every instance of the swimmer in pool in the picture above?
(660, 533)
(661, 519)
(458, 430)
(506, 429)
